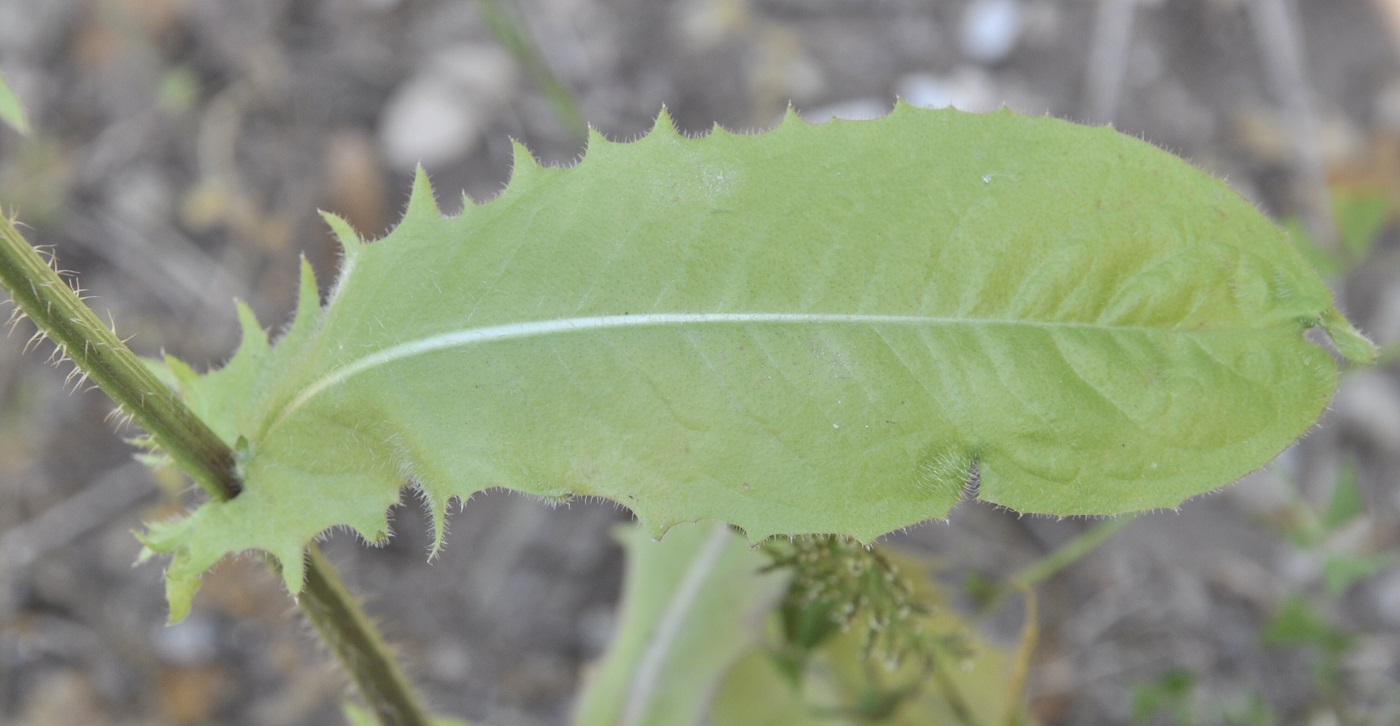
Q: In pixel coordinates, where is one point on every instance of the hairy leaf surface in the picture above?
(826, 328)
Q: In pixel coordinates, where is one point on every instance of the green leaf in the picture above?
(1297, 623)
(12, 109)
(692, 605)
(1347, 502)
(1170, 694)
(1362, 212)
(1341, 571)
(817, 329)
(757, 692)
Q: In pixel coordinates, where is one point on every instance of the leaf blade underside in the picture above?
(816, 329)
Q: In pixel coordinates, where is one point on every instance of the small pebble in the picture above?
(990, 29)
(968, 88)
(439, 114)
(191, 641)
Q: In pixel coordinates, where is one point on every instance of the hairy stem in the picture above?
(41, 293)
(348, 632)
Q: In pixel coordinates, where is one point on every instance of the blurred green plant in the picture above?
(1174, 700)
(1305, 624)
(511, 32)
(1307, 620)
(1311, 530)
(1363, 213)
(12, 110)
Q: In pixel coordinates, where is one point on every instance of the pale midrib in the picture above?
(515, 331)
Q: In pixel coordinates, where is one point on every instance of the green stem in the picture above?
(347, 631)
(1030, 635)
(510, 33)
(39, 292)
(1071, 552)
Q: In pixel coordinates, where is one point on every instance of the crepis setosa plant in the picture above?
(816, 329)
(819, 329)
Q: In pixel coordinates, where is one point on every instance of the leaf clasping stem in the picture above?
(41, 293)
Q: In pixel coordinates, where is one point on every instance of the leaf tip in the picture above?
(522, 160)
(421, 201)
(179, 596)
(293, 563)
(345, 234)
(252, 331)
(595, 141)
(665, 125)
(182, 370)
(790, 116)
(439, 515)
(308, 297)
(1350, 342)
